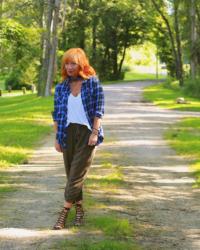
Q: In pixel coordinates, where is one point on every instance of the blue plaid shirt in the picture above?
(93, 102)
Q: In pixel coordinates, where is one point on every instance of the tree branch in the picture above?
(168, 28)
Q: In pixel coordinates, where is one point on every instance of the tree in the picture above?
(122, 25)
(1, 8)
(18, 51)
(173, 33)
(193, 61)
(52, 58)
(179, 62)
(75, 31)
(49, 44)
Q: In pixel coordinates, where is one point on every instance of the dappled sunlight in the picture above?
(140, 143)
(134, 176)
(23, 233)
(184, 180)
(157, 182)
(177, 168)
(14, 153)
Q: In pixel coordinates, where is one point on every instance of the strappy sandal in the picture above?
(79, 215)
(60, 224)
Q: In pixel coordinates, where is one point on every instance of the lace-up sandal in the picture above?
(60, 224)
(79, 215)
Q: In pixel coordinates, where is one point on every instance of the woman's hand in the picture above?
(92, 140)
(58, 147)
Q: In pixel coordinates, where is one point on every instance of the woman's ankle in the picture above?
(68, 205)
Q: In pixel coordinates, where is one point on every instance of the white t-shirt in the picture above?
(76, 112)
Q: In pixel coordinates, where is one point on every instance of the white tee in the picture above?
(76, 112)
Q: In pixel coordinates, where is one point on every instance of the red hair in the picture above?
(79, 57)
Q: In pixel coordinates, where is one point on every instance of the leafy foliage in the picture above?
(19, 50)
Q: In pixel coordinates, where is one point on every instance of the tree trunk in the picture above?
(49, 47)
(193, 59)
(1, 8)
(114, 56)
(42, 39)
(197, 12)
(46, 48)
(170, 35)
(51, 66)
(64, 15)
(122, 59)
(178, 42)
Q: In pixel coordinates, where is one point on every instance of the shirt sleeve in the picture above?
(54, 113)
(99, 104)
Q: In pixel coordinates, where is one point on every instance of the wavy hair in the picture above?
(78, 56)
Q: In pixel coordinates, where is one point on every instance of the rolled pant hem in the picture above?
(73, 200)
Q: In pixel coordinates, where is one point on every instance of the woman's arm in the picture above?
(99, 112)
(94, 135)
(55, 124)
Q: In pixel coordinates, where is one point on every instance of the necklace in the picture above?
(75, 78)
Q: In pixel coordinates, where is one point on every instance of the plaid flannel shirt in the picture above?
(93, 102)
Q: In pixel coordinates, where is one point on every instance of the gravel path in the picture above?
(157, 196)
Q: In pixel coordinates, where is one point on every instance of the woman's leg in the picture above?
(77, 157)
(67, 157)
(77, 161)
(79, 168)
(82, 159)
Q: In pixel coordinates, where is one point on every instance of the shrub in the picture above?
(24, 90)
(192, 87)
(14, 82)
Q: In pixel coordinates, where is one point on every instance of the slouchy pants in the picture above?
(77, 157)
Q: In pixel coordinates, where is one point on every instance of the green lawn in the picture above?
(184, 136)
(166, 98)
(24, 120)
(136, 76)
(132, 76)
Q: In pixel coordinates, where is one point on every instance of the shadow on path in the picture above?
(156, 197)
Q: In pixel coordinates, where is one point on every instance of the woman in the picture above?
(78, 110)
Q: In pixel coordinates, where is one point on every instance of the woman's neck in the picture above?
(75, 78)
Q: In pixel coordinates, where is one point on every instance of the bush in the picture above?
(171, 83)
(14, 82)
(24, 90)
(192, 87)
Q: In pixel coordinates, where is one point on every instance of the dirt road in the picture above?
(157, 197)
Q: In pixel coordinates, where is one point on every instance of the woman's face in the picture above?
(72, 68)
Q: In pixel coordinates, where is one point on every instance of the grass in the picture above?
(104, 229)
(184, 136)
(24, 120)
(107, 245)
(136, 76)
(111, 226)
(93, 245)
(133, 76)
(109, 180)
(166, 98)
(7, 184)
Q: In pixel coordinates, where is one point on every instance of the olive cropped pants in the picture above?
(77, 157)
